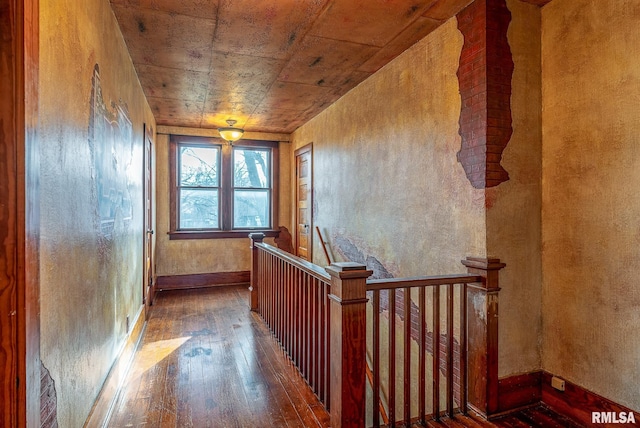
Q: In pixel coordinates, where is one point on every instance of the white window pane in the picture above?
(198, 209)
(199, 166)
(250, 168)
(251, 209)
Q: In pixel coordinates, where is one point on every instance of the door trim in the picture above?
(19, 187)
(302, 150)
(148, 278)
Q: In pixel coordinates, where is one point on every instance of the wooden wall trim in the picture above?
(19, 215)
(200, 280)
(575, 402)
(578, 403)
(104, 404)
(516, 392)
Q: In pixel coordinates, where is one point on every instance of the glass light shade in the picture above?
(231, 134)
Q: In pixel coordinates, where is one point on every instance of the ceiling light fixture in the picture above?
(231, 133)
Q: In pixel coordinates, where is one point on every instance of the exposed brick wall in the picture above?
(48, 400)
(484, 75)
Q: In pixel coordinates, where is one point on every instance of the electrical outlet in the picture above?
(557, 383)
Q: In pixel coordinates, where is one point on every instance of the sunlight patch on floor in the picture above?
(152, 353)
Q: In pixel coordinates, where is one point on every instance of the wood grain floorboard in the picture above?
(206, 360)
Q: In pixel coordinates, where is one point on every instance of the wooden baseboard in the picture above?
(103, 406)
(579, 403)
(516, 392)
(200, 280)
(575, 402)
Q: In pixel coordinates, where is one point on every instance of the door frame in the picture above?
(148, 277)
(308, 148)
(20, 224)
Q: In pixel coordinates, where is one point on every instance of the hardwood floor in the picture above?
(207, 361)
(535, 417)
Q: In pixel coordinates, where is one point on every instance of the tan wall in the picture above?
(385, 170)
(514, 207)
(386, 177)
(591, 205)
(89, 283)
(193, 256)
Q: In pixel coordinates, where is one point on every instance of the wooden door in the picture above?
(148, 286)
(304, 202)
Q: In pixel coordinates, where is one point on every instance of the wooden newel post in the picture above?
(348, 343)
(256, 238)
(482, 335)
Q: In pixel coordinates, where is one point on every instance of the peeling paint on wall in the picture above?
(48, 399)
(111, 146)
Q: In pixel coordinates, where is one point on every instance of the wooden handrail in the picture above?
(308, 267)
(421, 281)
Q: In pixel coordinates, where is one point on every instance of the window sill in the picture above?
(219, 234)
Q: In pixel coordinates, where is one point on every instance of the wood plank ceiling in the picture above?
(271, 65)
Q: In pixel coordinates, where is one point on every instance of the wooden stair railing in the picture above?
(319, 317)
(396, 298)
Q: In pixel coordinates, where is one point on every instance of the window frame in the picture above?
(225, 188)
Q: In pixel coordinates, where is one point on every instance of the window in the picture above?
(222, 191)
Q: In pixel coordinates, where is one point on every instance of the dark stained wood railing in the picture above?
(291, 295)
(319, 316)
(411, 305)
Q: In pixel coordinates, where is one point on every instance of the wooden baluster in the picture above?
(422, 393)
(281, 302)
(280, 305)
(255, 267)
(375, 358)
(436, 352)
(450, 343)
(289, 321)
(348, 343)
(482, 335)
(306, 350)
(316, 334)
(463, 348)
(392, 357)
(269, 290)
(313, 376)
(272, 292)
(327, 344)
(321, 343)
(262, 272)
(296, 309)
(407, 356)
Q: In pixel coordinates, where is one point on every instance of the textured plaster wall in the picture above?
(591, 198)
(514, 207)
(385, 171)
(387, 179)
(89, 283)
(193, 256)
